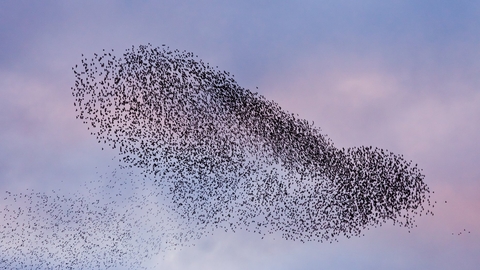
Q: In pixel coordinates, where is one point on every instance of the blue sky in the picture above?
(400, 75)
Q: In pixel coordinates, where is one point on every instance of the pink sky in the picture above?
(401, 76)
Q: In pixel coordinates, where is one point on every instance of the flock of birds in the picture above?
(114, 222)
(200, 153)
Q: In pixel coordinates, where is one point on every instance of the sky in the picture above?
(398, 75)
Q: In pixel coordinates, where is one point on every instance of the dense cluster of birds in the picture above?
(215, 155)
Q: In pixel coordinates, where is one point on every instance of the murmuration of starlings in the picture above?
(231, 158)
(198, 153)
